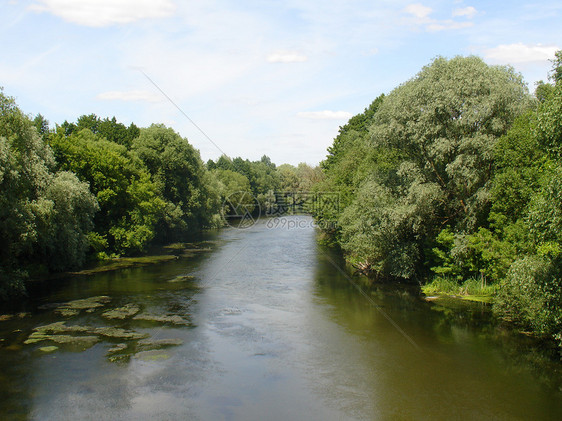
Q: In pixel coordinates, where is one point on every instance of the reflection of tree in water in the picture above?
(450, 321)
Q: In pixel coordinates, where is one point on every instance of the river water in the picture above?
(269, 327)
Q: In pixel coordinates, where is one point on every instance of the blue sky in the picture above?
(258, 77)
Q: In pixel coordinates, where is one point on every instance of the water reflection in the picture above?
(464, 368)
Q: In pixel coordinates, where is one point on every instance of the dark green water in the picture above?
(271, 330)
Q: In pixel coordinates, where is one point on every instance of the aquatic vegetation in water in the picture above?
(117, 348)
(59, 332)
(6, 317)
(123, 352)
(72, 308)
(182, 278)
(126, 263)
(154, 355)
(190, 247)
(84, 337)
(51, 348)
(118, 333)
(128, 310)
(175, 319)
(83, 342)
(152, 344)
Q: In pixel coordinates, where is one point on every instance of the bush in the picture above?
(531, 295)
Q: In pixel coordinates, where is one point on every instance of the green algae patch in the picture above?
(153, 344)
(118, 333)
(72, 308)
(123, 352)
(121, 313)
(183, 278)
(82, 342)
(154, 355)
(175, 320)
(54, 331)
(126, 263)
(80, 336)
(48, 349)
(61, 327)
(175, 246)
(117, 348)
(6, 317)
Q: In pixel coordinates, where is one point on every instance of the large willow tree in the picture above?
(443, 124)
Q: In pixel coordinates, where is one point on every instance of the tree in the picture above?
(42, 126)
(177, 169)
(425, 164)
(63, 235)
(130, 204)
(45, 217)
(116, 132)
(446, 120)
(549, 124)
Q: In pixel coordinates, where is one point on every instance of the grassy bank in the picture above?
(471, 289)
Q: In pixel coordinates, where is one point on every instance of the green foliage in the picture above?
(107, 128)
(44, 216)
(349, 163)
(474, 287)
(442, 285)
(556, 73)
(519, 163)
(449, 265)
(70, 209)
(531, 294)
(549, 124)
(545, 210)
(492, 256)
(177, 169)
(421, 159)
(375, 232)
(263, 176)
(42, 126)
(447, 120)
(130, 205)
(356, 127)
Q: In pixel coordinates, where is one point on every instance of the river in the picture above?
(263, 323)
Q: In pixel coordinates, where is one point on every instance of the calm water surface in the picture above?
(273, 330)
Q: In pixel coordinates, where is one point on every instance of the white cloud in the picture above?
(469, 12)
(418, 10)
(325, 115)
(286, 57)
(129, 96)
(520, 53)
(420, 17)
(98, 13)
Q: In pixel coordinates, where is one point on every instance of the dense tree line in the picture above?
(96, 188)
(262, 179)
(454, 178)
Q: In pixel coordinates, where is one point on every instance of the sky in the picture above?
(248, 77)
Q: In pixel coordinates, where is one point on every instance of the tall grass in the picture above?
(449, 286)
